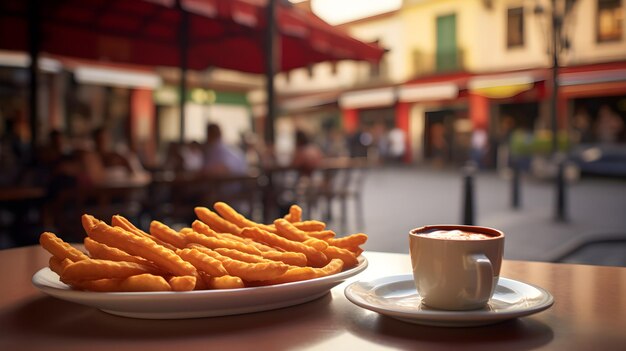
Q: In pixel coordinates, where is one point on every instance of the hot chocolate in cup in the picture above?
(456, 267)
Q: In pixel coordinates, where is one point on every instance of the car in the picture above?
(600, 159)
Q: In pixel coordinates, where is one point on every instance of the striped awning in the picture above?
(502, 86)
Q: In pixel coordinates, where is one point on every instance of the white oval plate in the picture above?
(396, 297)
(195, 304)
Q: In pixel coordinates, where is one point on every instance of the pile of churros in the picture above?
(221, 250)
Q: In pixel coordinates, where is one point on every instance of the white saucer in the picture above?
(396, 297)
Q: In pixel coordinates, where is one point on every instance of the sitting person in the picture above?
(174, 161)
(192, 157)
(110, 159)
(104, 164)
(307, 156)
(219, 158)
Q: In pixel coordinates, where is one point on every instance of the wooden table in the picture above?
(11, 194)
(589, 314)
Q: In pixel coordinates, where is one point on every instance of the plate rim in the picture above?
(68, 291)
(448, 316)
(195, 304)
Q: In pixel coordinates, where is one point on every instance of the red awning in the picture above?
(600, 79)
(222, 33)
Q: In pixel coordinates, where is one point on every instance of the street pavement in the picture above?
(398, 199)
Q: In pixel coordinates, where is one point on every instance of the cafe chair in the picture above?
(173, 196)
(341, 185)
(63, 213)
(242, 192)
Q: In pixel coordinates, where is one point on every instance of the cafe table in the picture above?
(589, 313)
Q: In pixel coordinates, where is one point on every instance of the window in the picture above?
(515, 27)
(379, 70)
(447, 51)
(610, 20)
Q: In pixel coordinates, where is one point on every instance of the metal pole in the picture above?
(183, 41)
(515, 187)
(561, 211)
(557, 21)
(34, 42)
(272, 64)
(468, 194)
(556, 37)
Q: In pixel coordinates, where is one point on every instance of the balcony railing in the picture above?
(442, 61)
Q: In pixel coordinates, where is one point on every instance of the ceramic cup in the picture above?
(456, 267)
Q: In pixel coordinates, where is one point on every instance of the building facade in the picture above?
(463, 75)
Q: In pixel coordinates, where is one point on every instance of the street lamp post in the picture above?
(560, 205)
(272, 65)
(557, 22)
(183, 49)
(558, 12)
(556, 43)
(34, 43)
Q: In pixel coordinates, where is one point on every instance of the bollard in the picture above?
(515, 187)
(561, 210)
(468, 194)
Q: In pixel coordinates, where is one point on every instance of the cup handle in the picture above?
(484, 272)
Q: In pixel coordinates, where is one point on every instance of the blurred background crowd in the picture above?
(506, 84)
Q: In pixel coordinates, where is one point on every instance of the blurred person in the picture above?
(50, 157)
(267, 154)
(56, 149)
(219, 158)
(307, 156)
(61, 167)
(609, 125)
(254, 152)
(479, 143)
(105, 164)
(439, 144)
(336, 145)
(581, 123)
(192, 157)
(503, 153)
(520, 147)
(359, 143)
(380, 141)
(397, 144)
(173, 158)
(109, 157)
(13, 152)
(68, 172)
(16, 137)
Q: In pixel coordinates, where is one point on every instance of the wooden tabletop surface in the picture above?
(589, 314)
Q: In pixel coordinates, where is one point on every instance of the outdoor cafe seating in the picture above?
(333, 184)
(173, 196)
(62, 212)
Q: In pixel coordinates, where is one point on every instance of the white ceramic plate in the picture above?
(195, 304)
(396, 297)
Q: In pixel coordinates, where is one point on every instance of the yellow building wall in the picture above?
(419, 20)
(410, 34)
(481, 34)
(391, 35)
(585, 48)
